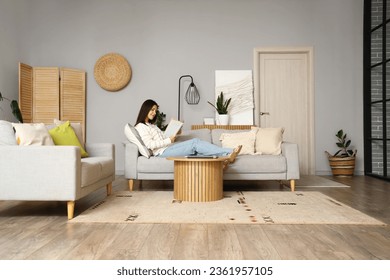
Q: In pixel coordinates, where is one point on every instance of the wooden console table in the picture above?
(229, 127)
(198, 179)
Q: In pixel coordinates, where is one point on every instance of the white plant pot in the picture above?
(223, 119)
(208, 121)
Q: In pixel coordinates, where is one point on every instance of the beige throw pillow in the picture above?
(269, 140)
(32, 134)
(246, 139)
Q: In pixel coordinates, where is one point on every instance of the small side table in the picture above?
(198, 179)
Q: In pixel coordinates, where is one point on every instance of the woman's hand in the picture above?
(173, 138)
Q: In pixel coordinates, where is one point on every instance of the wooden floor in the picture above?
(39, 230)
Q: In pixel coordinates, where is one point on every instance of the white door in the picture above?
(284, 97)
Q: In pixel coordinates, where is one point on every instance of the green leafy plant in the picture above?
(14, 107)
(160, 121)
(344, 143)
(221, 105)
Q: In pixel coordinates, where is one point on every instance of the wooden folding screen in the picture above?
(46, 99)
(48, 93)
(72, 96)
(26, 92)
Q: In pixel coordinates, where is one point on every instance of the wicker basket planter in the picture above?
(341, 166)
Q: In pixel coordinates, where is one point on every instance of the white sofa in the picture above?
(284, 166)
(55, 173)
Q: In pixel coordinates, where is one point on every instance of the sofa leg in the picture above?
(292, 185)
(109, 189)
(131, 184)
(70, 210)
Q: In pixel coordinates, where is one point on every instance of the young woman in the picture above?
(161, 146)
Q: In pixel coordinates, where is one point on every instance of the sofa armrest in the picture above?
(40, 172)
(100, 150)
(131, 160)
(290, 151)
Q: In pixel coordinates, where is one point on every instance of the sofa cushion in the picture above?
(258, 164)
(268, 140)
(155, 165)
(216, 135)
(7, 133)
(246, 139)
(64, 135)
(202, 134)
(32, 134)
(95, 168)
(133, 136)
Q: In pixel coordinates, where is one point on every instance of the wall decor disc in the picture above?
(112, 72)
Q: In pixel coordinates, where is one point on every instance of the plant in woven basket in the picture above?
(14, 107)
(343, 143)
(221, 105)
(342, 162)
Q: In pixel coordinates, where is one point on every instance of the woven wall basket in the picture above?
(112, 72)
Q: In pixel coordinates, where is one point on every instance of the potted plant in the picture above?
(160, 122)
(342, 162)
(14, 106)
(221, 106)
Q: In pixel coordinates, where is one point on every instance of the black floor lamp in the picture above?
(192, 95)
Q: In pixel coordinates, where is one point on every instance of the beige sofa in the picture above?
(54, 173)
(284, 166)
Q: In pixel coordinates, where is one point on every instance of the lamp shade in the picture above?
(192, 96)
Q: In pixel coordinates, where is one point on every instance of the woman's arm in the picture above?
(152, 136)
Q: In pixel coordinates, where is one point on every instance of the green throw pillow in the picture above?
(64, 135)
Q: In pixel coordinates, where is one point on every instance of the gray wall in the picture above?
(164, 39)
(10, 49)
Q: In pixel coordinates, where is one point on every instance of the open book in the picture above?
(173, 128)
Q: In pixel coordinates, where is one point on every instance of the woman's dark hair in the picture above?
(144, 111)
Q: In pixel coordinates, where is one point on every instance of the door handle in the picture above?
(264, 113)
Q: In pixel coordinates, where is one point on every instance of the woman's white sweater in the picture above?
(153, 138)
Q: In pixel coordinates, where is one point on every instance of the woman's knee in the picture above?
(195, 141)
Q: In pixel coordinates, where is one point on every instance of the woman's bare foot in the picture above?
(234, 154)
(232, 157)
(225, 163)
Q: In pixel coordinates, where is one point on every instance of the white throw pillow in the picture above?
(7, 134)
(29, 134)
(246, 139)
(269, 140)
(133, 136)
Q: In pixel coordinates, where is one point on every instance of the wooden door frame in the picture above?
(309, 51)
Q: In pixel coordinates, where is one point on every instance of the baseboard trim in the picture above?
(329, 173)
(119, 172)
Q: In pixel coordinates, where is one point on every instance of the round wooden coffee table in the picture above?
(198, 179)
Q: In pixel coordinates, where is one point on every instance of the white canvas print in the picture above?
(238, 85)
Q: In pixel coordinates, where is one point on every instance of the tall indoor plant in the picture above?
(342, 162)
(221, 106)
(14, 107)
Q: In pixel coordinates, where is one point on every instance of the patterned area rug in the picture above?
(262, 207)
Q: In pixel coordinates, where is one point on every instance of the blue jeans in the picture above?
(195, 146)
